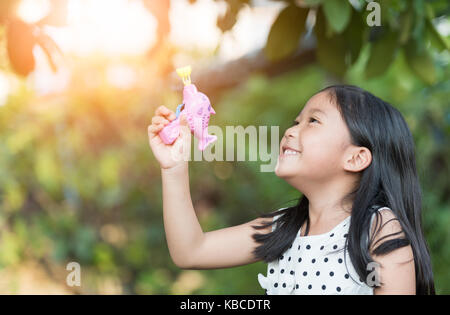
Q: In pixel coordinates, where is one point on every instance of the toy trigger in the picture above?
(178, 111)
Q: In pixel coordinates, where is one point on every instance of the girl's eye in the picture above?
(295, 123)
(312, 119)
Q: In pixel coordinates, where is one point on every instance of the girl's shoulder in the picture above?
(384, 225)
(277, 216)
(381, 214)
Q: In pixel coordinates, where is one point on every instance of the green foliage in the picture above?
(338, 14)
(382, 53)
(342, 30)
(285, 33)
(420, 62)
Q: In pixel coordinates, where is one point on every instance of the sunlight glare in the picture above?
(112, 27)
(121, 76)
(31, 11)
(194, 26)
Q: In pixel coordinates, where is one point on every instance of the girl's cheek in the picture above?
(320, 152)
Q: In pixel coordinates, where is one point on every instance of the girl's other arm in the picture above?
(396, 272)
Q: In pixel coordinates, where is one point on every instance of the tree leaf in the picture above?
(285, 33)
(436, 39)
(229, 19)
(330, 51)
(406, 22)
(50, 48)
(338, 14)
(20, 46)
(420, 62)
(382, 53)
(354, 36)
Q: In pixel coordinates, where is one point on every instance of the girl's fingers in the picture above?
(159, 120)
(155, 128)
(152, 130)
(161, 110)
(164, 111)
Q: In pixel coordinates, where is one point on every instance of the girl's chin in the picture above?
(286, 166)
(283, 172)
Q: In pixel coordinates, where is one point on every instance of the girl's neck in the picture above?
(328, 206)
(328, 213)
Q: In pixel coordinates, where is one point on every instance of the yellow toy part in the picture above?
(185, 74)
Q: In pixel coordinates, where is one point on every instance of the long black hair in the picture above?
(390, 180)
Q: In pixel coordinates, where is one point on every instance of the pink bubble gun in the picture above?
(197, 108)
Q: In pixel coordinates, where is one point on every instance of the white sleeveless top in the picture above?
(315, 264)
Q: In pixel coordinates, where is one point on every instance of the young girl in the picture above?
(355, 230)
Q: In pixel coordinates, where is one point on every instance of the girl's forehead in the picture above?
(320, 103)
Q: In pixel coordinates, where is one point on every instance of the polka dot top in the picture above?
(315, 264)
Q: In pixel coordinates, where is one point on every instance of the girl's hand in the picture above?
(169, 155)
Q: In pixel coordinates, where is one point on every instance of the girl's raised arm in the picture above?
(189, 246)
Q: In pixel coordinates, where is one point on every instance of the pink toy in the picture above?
(197, 109)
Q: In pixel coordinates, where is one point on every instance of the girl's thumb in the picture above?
(183, 120)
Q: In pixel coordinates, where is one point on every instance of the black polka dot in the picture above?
(305, 273)
(275, 285)
(346, 276)
(332, 234)
(290, 246)
(313, 261)
(300, 259)
(310, 287)
(308, 247)
(340, 260)
(272, 271)
(296, 286)
(281, 258)
(331, 273)
(317, 273)
(284, 285)
(282, 270)
(345, 235)
(292, 272)
(325, 260)
(298, 247)
(338, 289)
(321, 247)
(289, 259)
(335, 246)
(324, 287)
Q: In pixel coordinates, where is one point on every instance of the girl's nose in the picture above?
(289, 133)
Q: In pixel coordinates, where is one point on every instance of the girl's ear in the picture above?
(357, 159)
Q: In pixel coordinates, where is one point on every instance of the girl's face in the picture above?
(313, 148)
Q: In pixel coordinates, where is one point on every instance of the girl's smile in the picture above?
(287, 151)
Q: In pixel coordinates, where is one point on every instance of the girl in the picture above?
(355, 230)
